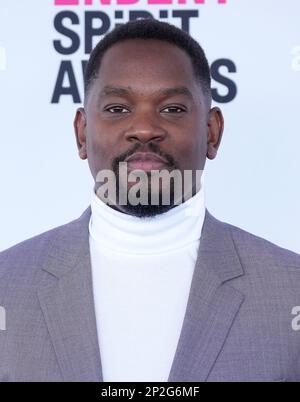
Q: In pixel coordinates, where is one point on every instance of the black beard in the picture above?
(145, 211)
(149, 210)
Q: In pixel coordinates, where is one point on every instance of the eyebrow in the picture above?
(123, 91)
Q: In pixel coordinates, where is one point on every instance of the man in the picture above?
(149, 291)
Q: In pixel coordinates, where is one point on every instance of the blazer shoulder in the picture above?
(30, 253)
(254, 247)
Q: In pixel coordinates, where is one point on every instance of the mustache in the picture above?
(151, 147)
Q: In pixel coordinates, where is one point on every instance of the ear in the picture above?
(80, 132)
(215, 131)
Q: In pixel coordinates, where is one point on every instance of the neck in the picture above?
(176, 228)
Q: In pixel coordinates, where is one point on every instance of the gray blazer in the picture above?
(237, 326)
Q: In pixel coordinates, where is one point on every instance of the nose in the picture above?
(145, 127)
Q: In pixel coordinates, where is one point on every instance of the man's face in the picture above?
(146, 98)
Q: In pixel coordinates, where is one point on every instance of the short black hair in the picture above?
(150, 28)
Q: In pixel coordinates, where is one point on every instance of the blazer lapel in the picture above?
(212, 304)
(68, 304)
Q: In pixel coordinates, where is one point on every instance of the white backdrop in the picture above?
(254, 181)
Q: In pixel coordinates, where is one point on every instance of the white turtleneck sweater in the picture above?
(142, 271)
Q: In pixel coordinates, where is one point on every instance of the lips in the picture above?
(146, 161)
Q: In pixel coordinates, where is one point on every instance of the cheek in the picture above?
(192, 150)
(97, 150)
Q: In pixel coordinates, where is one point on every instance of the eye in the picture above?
(116, 109)
(173, 109)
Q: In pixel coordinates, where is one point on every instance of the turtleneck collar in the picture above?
(166, 232)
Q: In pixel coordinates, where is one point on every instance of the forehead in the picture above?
(147, 64)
